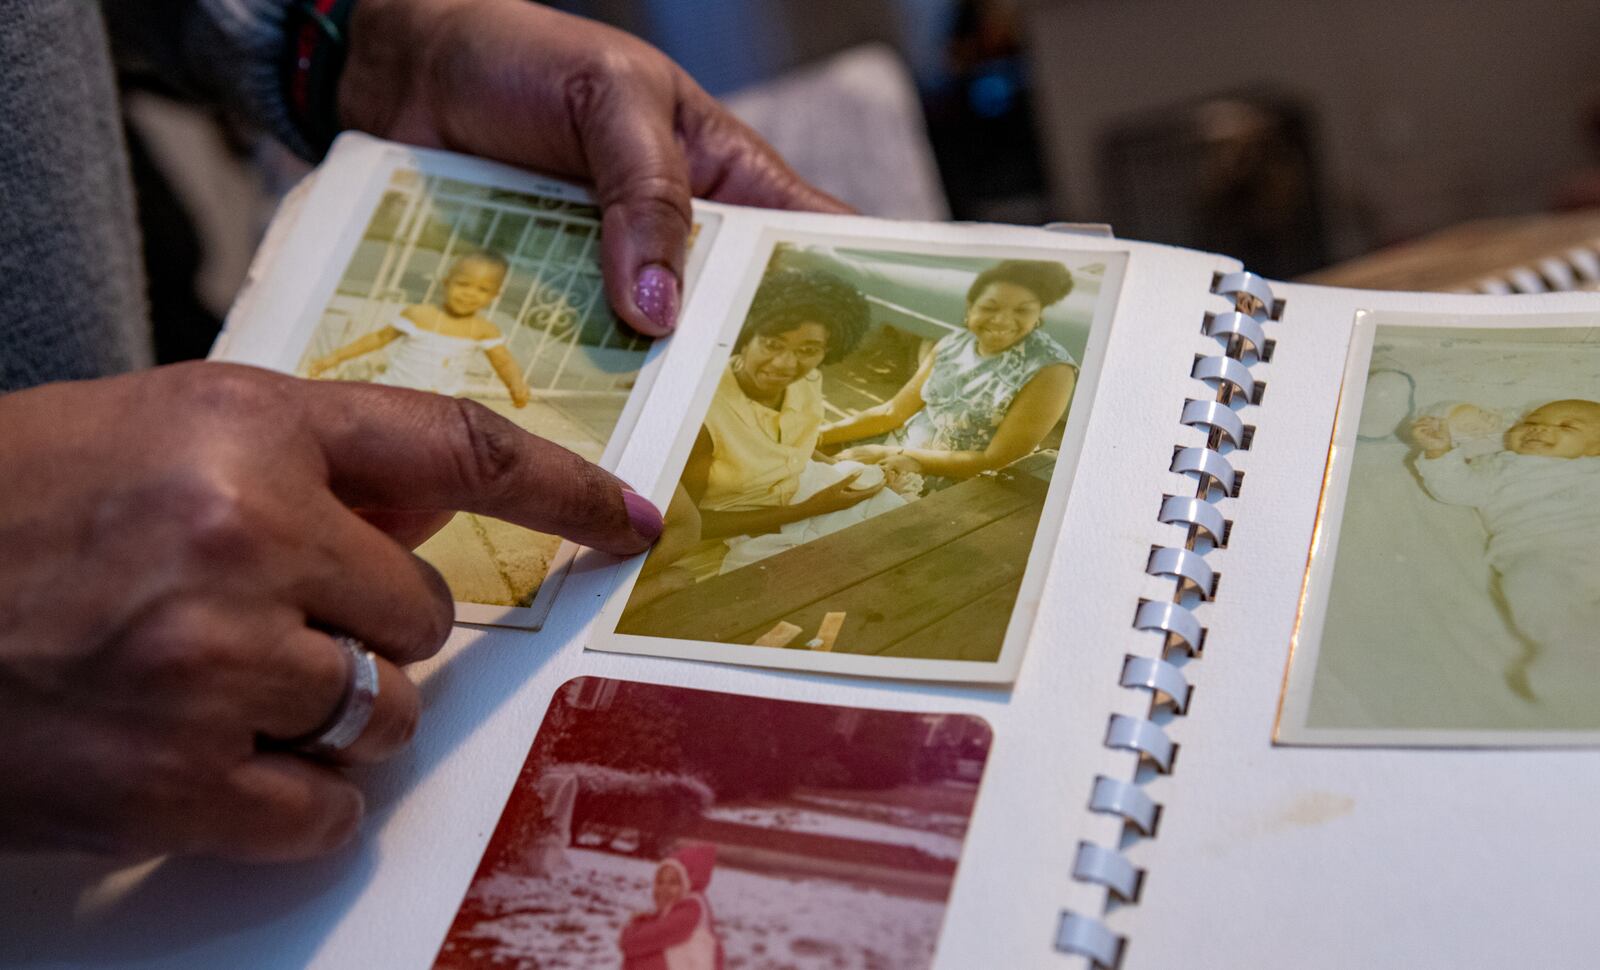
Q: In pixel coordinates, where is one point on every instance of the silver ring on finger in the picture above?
(350, 718)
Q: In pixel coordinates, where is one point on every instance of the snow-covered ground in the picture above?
(787, 819)
(570, 921)
(950, 823)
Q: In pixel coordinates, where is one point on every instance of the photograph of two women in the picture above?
(883, 460)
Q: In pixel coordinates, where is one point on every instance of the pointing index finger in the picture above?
(390, 448)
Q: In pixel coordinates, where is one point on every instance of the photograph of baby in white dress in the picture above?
(475, 291)
(1464, 603)
(436, 345)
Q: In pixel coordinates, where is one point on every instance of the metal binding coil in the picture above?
(1145, 737)
(1206, 463)
(1110, 869)
(1214, 414)
(1088, 937)
(1243, 326)
(1245, 283)
(1195, 513)
(1113, 796)
(1175, 620)
(1183, 565)
(1234, 387)
(1159, 676)
(1225, 370)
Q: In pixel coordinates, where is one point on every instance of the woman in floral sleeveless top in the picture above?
(987, 395)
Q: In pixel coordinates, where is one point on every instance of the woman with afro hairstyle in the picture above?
(987, 395)
(751, 471)
(761, 429)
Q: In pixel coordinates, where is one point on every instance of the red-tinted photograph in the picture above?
(662, 828)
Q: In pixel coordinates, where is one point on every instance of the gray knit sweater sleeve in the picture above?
(226, 51)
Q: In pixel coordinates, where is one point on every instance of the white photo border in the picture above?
(346, 191)
(1299, 679)
(1019, 628)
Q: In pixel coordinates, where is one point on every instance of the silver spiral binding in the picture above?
(1217, 416)
(1090, 938)
(1198, 513)
(1145, 737)
(1186, 566)
(1178, 622)
(1233, 387)
(1161, 677)
(1244, 326)
(1208, 467)
(1110, 869)
(1112, 796)
(1220, 371)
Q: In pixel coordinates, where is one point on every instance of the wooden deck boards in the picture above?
(936, 578)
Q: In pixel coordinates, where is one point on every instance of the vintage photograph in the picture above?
(661, 827)
(1454, 596)
(882, 462)
(474, 291)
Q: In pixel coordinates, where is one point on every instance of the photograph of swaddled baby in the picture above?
(1463, 605)
(475, 291)
(871, 472)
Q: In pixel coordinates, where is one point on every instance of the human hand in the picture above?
(901, 463)
(903, 475)
(175, 543)
(867, 454)
(532, 86)
(839, 496)
(1471, 421)
(1432, 435)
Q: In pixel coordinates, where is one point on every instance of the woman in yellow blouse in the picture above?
(762, 426)
(765, 417)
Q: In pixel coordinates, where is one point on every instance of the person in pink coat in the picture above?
(680, 933)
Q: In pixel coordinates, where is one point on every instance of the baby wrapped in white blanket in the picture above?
(1539, 499)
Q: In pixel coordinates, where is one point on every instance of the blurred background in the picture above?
(1293, 137)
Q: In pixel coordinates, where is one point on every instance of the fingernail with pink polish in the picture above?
(644, 517)
(655, 293)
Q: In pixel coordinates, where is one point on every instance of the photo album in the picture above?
(1027, 598)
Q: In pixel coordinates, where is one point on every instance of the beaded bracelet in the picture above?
(316, 40)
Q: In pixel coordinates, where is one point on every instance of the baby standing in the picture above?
(435, 345)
